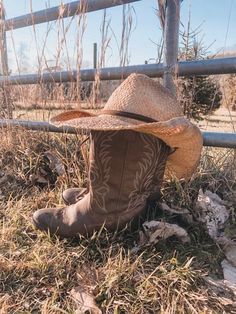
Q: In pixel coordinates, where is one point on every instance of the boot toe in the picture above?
(42, 220)
(53, 220)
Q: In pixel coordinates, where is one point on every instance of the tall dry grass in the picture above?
(37, 272)
(75, 93)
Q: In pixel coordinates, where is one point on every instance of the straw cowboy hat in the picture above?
(144, 105)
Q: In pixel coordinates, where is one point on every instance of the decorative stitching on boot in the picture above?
(100, 169)
(150, 174)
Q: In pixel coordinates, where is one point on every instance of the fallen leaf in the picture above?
(142, 238)
(84, 301)
(55, 162)
(212, 212)
(229, 271)
(226, 292)
(230, 253)
(156, 230)
(221, 287)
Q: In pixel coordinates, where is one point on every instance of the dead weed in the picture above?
(38, 272)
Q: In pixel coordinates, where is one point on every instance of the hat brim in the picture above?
(178, 133)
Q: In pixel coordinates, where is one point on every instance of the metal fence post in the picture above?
(95, 55)
(3, 44)
(171, 42)
(6, 105)
(96, 82)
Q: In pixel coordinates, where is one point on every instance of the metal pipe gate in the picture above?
(186, 68)
(168, 69)
(209, 138)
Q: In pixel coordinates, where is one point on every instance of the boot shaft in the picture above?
(126, 168)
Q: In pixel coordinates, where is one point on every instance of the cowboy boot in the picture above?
(126, 168)
(73, 195)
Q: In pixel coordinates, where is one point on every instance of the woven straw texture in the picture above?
(141, 95)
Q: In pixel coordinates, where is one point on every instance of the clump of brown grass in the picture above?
(216, 172)
(37, 271)
(24, 162)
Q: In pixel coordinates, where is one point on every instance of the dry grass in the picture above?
(37, 272)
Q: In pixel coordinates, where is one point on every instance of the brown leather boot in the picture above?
(73, 195)
(126, 168)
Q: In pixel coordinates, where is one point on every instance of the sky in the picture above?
(216, 18)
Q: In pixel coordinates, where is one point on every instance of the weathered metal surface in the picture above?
(199, 67)
(171, 43)
(227, 140)
(62, 11)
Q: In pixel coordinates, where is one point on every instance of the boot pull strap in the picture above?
(129, 115)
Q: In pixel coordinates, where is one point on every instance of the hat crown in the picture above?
(142, 95)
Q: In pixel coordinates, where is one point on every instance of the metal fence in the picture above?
(168, 69)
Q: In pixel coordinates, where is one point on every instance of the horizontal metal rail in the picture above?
(36, 126)
(199, 67)
(207, 67)
(219, 139)
(225, 140)
(62, 11)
